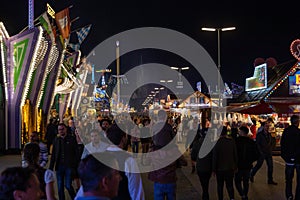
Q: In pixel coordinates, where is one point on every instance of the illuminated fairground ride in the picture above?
(36, 67)
(30, 63)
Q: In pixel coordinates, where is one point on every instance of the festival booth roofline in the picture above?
(276, 97)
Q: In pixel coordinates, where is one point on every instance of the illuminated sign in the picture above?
(295, 49)
(294, 83)
(258, 80)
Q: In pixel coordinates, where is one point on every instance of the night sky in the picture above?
(263, 29)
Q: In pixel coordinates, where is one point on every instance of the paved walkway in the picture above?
(188, 185)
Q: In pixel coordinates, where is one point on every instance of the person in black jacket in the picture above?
(264, 144)
(51, 132)
(224, 163)
(203, 165)
(64, 160)
(290, 149)
(247, 154)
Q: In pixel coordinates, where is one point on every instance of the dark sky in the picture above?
(264, 28)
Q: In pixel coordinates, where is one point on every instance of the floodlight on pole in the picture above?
(180, 69)
(118, 72)
(219, 30)
(166, 82)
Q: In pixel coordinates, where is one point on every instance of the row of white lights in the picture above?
(32, 65)
(152, 95)
(52, 60)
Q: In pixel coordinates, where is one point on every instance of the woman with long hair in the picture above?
(46, 177)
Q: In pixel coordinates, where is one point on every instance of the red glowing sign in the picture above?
(295, 49)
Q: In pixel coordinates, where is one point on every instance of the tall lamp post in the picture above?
(180, 69)
(166, 82)
(118, 72)
(219, 30)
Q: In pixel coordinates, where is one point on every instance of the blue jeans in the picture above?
(162, 190)
(64, 179)
(289, 175)
(259, 163)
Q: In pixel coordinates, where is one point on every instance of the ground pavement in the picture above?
(188, 185)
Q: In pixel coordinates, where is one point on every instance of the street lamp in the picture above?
(118, 72)
(180, 69)
(219, 52)
(166, 82)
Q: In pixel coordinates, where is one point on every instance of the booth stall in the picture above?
(271, 92)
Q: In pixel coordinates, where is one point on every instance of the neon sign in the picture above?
(258, 80)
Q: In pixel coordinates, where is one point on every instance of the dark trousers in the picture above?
(49, 147)
(241, 180)
(135, 147)
(259, 163)
(289, 175)
(227, 177)
(204, 178)
(64, 179)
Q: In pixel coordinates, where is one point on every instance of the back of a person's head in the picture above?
(224, 131)
(162, 115)
(14, 178)
(270, 120)
(93, 168)
(295, 120)
(115, 134)
(244, 130)
(31, 153)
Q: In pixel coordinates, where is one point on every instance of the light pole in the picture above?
(118, 73)
(219, 30)
(180, 69)
(166, 82)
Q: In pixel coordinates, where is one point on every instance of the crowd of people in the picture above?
(236, 155)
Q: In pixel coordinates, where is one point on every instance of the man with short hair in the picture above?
(96, 144)
(100, 180)
(131, 186)
(290, 150)
(64, 159)
(20, 184)
(105, 123)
